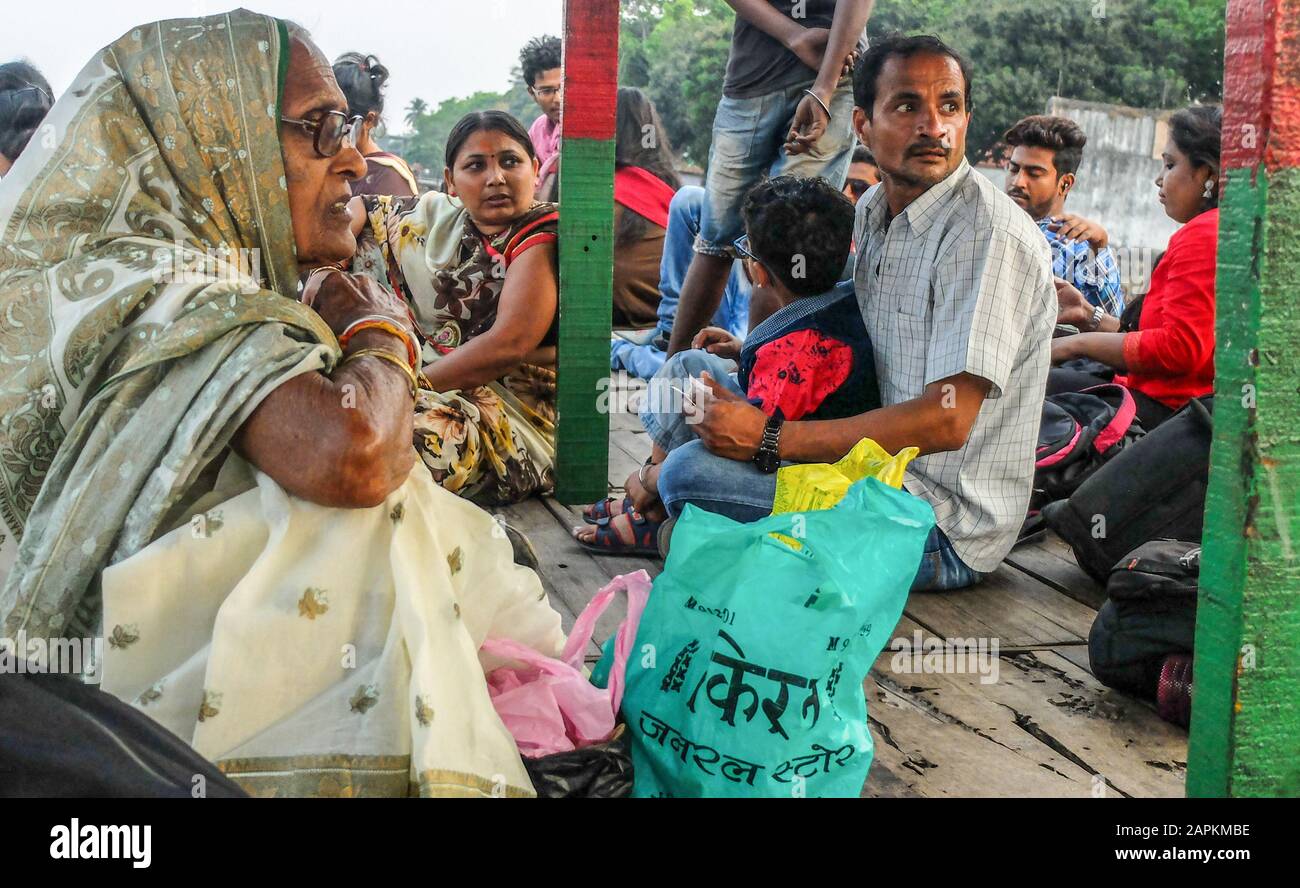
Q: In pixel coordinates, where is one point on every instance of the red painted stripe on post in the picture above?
(1248, 69)
(1284, 141)
(590, 68)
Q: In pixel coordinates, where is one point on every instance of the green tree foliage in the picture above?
(426, 145)
(1142, 53)
(677, 52)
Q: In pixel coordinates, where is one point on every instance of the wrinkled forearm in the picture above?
(342, 440)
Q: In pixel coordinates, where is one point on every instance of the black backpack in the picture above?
(1079, 433)
(1155, 575)
(1150, 614)
(1154, 489)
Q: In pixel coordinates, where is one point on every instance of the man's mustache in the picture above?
(928, 145)
(1015, 192)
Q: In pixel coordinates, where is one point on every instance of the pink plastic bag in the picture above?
(548, 705)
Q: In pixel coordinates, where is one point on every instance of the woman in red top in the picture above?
(644, 185)
(1169, 358)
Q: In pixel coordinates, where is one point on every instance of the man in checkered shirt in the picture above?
(955, 285)
(1045, 158)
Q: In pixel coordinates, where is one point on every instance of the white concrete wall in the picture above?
(1117, 180)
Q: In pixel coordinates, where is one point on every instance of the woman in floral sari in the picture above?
(478, 267)
(210, 475)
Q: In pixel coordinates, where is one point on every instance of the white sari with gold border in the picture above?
(314, 651)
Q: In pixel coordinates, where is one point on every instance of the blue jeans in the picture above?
(691, 474)
(665, 422)
(748, 135)
(733, 313)
(685, 217)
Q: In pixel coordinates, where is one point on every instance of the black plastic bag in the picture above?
(602, 771)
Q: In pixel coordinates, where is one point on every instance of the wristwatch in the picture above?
(1097, 314)
(767, 459)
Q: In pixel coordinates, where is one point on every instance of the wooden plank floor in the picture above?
(1044, 727)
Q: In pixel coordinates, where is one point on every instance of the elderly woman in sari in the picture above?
(191, 467)
(477, 265)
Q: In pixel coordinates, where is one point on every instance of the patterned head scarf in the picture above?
(147, 287)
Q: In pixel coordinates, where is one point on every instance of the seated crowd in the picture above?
(844, 273)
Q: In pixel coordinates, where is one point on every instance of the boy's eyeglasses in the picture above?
(330, 132)
(741, 246)
(545, 92)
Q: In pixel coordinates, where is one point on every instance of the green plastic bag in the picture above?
(746, 679)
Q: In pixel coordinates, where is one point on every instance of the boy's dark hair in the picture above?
(868, 69)
(491, 121)
(362, 79)
(1197, 131)
(862, 154)
(803, 226)
(538, 55)
(1060, 135)
(25, 99)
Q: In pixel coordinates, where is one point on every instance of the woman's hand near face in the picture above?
(341, 298)
(344, 440)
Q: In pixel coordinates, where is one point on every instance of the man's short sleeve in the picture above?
(860, 224)
(985, 289)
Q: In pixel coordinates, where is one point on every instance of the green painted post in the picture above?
(586, 247)
(1245, 737)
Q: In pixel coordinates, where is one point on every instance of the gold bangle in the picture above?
(385, 355)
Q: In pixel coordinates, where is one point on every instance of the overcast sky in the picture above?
(434, 49)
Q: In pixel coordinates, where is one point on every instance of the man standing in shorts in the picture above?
(786, 109)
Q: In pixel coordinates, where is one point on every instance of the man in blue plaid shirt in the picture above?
(1046, 153)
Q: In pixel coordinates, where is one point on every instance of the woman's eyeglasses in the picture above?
(330, 132)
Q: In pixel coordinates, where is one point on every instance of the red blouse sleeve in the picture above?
(798, 372)
(540, 231)
(1183, 340)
